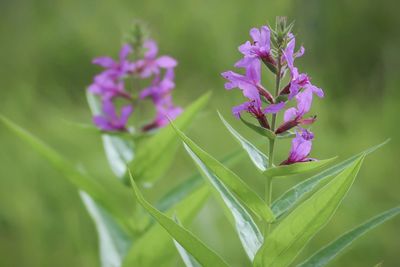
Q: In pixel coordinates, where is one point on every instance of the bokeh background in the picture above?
(46, 48)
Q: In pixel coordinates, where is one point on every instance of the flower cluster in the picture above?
(276, 50)
(112, 85)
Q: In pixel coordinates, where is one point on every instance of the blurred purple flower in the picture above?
(301, 147)
(165, 111)
(109, 83)
(150, 64)
(109, 120)
(160, 93)
(259, 49)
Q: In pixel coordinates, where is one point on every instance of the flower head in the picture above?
(301, 147)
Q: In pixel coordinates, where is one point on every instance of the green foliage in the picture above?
(247, 230)
(113, 241)
(257, 157)
(113, 203)
(186, 239)
(296, 168)
(323, 256)
(295, 194)
(248, 197)
(294, 231)
(144, 248)
(160, 149)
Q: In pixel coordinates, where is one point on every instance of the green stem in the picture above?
(268, 183)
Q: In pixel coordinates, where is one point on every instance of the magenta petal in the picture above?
(274, 108)
(102, 123)
(152, 49)
(237, 110)
(125, 51)
(105, 62)
(126, 111)
(166, 62)
(290, 114)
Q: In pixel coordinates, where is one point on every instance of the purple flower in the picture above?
(150, 64)
(117, 69)
(158, 88)
(109, 83)
(297, 81)
(259, 49)
(255, 109)
(301, 147)
(250, 84)
(295, 116)
(160, 93)
(109, 120)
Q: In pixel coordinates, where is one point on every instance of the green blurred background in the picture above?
(46, 48)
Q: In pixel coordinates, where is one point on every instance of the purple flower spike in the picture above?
(109, 120)
(301, 147)
(151, 64)
(260, 48)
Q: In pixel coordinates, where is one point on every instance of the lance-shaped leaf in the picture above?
(257, 157)
(186, 239)
(193, 182)
(155, 155)
(113, 241)
(289, 237)
(118, 149)
(156, 241)
(296, 193)
(233, 182)
(260, 130)
(112, 203)
(329, 252)
(248, 232)
(187, 259)
(297, 168)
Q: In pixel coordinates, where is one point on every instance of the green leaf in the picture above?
(297, 168)
(160, 149)
(144, 249)
(118, 149)
(260, 130)
(97, 191)
(247, 229)
(193, 182)
(233, 182)
(113, 241)
(329, 252)
(186, 239)
(257, 157)
(289, 237)
(293, 195)
(187, 259)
